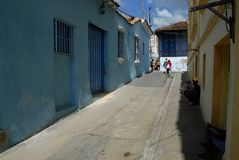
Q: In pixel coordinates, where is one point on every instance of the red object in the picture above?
(170, 64)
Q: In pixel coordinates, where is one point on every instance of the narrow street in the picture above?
(145, 119)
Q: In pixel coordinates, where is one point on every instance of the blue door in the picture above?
(96, 59)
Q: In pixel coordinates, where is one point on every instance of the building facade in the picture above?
(57, 55)
(213, 60)
(173, 45)
(154, 46)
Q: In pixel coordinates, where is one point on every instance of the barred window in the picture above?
(136, 52)
(63, 37)
(121, 44)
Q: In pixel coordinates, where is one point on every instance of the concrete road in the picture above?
(123, 125)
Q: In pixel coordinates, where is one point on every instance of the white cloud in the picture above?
(164, 17)
(164, 13)
(120, 2)
(149, 1)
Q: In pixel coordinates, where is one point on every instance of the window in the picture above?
(169, 46)
(136, 51)
(204, 71)
(121, 44)
(63, 37)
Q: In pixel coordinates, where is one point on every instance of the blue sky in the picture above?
(163, 12)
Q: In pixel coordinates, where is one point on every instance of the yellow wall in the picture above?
(205, 30)
(234, 143)
(220, 83)
(205, 34)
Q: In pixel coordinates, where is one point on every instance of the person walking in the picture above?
(152, 64)
(165, 64)
(168, 67)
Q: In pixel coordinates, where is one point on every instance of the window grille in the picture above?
(136, 52)
(63, 37)
(120, 44)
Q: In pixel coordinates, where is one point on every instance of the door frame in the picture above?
(220, 82)
(102, 58)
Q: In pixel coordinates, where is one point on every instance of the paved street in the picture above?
(146, 119)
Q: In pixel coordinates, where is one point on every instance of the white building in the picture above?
(153, 46)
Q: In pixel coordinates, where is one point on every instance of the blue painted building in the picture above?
(55, 55)
(173, 45)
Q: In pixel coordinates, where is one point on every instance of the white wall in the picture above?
(216, 34)
(179, 64)
(154, 46)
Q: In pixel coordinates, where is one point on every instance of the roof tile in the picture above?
(182, 25)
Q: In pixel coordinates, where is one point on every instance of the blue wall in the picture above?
(34, 80)
(173, 44)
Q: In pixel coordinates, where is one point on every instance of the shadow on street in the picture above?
(190, 125)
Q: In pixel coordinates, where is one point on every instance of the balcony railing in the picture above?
(173, 53)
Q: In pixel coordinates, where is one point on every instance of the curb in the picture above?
(152, 142)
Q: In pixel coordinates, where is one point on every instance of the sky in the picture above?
(163, 12)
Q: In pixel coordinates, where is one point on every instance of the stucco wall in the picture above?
(215, 34)
(212, 37)
(128, 69)
(179, 64)
(233, 118)
(207, 48)
(27, 67)
(190, 67)
(30, 70)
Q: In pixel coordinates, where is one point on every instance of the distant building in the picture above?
(154, 46)
(56, 57)
(173, 45)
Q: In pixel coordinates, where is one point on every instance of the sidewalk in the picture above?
(146, 119)
(182, 128)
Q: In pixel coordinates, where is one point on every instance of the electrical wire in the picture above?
(122, 10)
